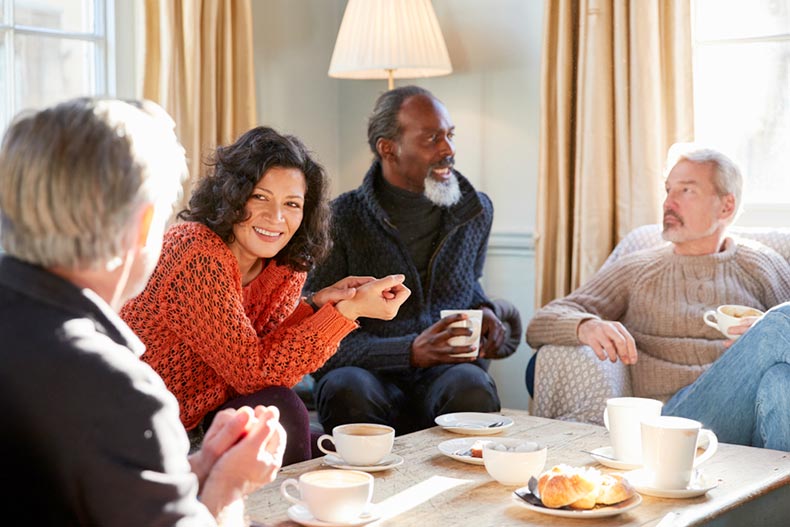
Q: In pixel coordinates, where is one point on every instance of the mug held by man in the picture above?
(360, 444)
(474, 322)
(337, 496)
(728, 315)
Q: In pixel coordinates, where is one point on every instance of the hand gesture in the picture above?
(431, 347)
(492, 333)
(251, 461)
(379, 298)
(608, 340)
(344, 289)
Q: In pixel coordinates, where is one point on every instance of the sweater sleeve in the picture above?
(205, 302)
(604, 296)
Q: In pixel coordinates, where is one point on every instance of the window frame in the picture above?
(103, 37)
(762, 214)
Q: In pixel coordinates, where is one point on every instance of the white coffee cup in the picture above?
(622, 417)
(669, 450)
(729, 315)
(360, 444)
(336, 496)
(474, 321)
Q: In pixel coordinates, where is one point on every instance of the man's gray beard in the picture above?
(444, 194)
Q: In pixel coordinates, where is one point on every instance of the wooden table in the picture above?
(430, 488)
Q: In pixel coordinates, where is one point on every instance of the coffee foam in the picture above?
(364, 430)
(334, 479)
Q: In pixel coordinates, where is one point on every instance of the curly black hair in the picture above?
(219, 198)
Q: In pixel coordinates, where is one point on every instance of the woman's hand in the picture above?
(379, 298)
(344, 289)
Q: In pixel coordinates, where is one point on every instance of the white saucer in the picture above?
(699, 485)
(473, 423)
(389, 461)
(302, 516)
(451, 447)
(604, 456)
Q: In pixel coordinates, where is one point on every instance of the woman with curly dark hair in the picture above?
(222, 317)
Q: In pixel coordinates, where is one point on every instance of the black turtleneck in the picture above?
(417, 219)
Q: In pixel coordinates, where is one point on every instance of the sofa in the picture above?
(571, 383)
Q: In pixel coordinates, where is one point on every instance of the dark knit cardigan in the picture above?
(366, 243)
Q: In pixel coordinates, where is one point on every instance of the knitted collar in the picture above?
(467, 207)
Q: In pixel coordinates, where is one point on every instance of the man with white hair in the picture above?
(645, 309)
(413, 214)
(91, 436)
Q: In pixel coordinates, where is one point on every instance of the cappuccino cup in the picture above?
(728, 315)
(622, 418)
(474, 321)
(669, 450)
(336, 496)
(360, 444)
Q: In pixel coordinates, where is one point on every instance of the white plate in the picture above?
(451, 447)
(473, 423)
(600, 512)
(389, 461)
(699, 485)
(602, 455)
(301, 515)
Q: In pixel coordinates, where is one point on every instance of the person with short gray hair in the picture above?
(91, 435)
(645, 309)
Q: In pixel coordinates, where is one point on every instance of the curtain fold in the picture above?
(199, 67)
(616, 92)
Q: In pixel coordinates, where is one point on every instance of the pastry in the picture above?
(581, 488)
(562, 485)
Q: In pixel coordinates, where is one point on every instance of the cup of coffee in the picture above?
(729, 315)
(336, 496)
(622, 418)
(360, 444)
(669, 449)
(474, 321)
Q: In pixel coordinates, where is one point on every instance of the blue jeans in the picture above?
(744, 397)
(407, 401)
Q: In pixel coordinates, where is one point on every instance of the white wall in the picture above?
(492, 96)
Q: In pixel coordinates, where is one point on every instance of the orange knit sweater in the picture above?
(211, 339)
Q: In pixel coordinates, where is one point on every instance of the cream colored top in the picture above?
(660, 298)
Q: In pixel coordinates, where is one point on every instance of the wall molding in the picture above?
(504, 243)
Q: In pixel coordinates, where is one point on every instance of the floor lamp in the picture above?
(389, 39)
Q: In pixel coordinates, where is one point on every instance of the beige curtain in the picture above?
(199, 67)
(616, 93)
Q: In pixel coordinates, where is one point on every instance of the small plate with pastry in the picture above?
(578, 492)
(474, 423)
(464, 449)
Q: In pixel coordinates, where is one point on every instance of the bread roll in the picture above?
(614, 489)
(562, 485)
(581, 488)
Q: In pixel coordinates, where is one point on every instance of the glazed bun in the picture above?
(563, 485)
(614, 489)
(581, 488)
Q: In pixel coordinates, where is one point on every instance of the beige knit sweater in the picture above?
(660, 298)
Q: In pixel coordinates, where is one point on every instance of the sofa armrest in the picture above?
(509, 315)
(572, 384)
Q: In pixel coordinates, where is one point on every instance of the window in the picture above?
(51, 50)
(742, 97)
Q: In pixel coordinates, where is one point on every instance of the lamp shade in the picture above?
(381, 39)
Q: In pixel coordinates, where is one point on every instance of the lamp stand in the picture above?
(390, 79)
